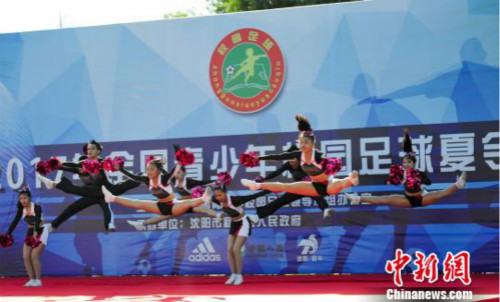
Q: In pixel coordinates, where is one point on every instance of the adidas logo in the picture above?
(204, 252)
(309, 245)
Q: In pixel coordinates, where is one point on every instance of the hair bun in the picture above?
(303, 123)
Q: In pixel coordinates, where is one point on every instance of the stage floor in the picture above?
(255, 288)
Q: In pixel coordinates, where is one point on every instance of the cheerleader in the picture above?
(92, 183)
(183, 186)
(313, 164)
(239, 231)
(159, 183)
(298, 174)
(31, 213)
(414, 194)
(91, 190)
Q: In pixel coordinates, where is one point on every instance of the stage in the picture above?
(212, 288)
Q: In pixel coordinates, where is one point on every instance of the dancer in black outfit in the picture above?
(182, 185)
(298, 174)
(91, 190)
(310, 160)
(159, 183)
(31, 213)
(414, 195)
(239, 231)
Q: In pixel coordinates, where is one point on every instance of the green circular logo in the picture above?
(246, 71)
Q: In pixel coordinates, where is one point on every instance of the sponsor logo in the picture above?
(309, 248)
(267, 251)
(204, 252)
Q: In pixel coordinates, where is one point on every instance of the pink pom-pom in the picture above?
(53, 163)
(259, 179)
(413, 179)
(184, 157)
(249, 159)
(91, 166)
(6, 240)
(32, 242)
(96, 167)
(37, 241)
(86, 165)
(225, 178)
(28, 240)
(42, 168)
(149, 158)
(197, 192)
(331, 166)
(112, 165)
(107, 165)
(395, 175)
(118, 161)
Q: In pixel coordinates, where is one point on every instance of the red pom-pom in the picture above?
(395, 175)
(91, 166)
(107, 165)
(112, 165)
(28, 240)
(96, 167)
(42, 168)
(259, 179)
(413, 179)
(119, 161)
(184, 157)
(249, 159)
(149, 158)
(6, 240)
(86, 166)
(53, 163)
(225, 178)
(197, 192)
(32, 242)
(331, 166)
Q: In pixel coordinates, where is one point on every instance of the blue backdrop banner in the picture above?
(221, 85)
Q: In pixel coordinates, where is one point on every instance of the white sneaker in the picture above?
(29, 283)
(252, 185)
(231, 279)
(354, 178)
(111, 227)
(137, 224)
(327, 213)
(44, 237)
(461, 181)
(253, 218)
(36, 283)
(238, 280)
(108, 197)
(49, 184)
(353, 198)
